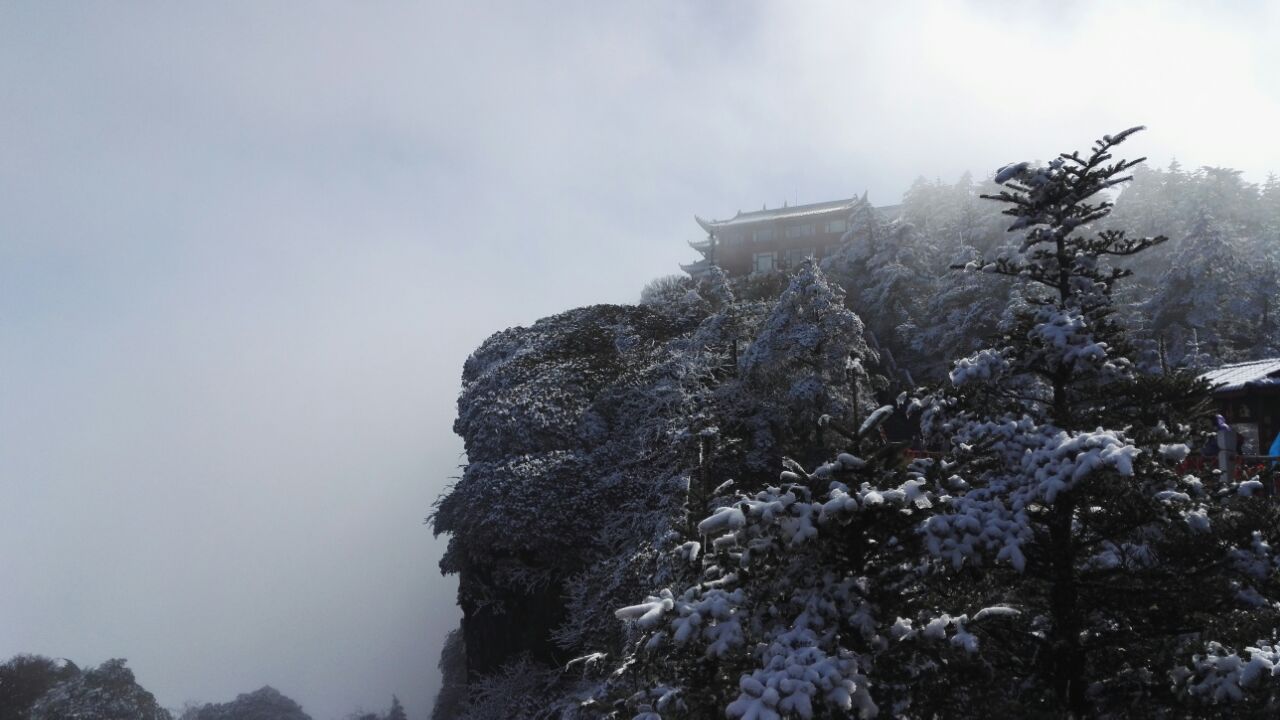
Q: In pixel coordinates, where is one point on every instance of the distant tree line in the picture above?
(1204, 297)
(34, 687)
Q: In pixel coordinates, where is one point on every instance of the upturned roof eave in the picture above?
(760, 216)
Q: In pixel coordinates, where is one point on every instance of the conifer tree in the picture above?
(796, 602)
(1270, 199)
(1064, 504)
(1206, 293)
(397, 710)
(806, 361)
(881, 268)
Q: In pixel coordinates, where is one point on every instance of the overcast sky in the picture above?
(246, 247)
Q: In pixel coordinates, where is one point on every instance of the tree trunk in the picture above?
(1067, 665)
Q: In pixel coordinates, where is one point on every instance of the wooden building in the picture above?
(1248, 396)
(767, 240)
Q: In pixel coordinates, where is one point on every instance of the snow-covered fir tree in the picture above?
(880, 266)
(1216, 310)
(794, 605)
(807, 360)
(1062, 501)
(900, 276)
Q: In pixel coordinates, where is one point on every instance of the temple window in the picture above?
(796, 256)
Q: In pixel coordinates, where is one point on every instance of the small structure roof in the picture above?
(1238, 376)
(698, 268)
(782, 213)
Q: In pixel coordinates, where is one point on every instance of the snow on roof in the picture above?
(782, 213)
(1236, 376)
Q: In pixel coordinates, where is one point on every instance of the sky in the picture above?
(245, 248)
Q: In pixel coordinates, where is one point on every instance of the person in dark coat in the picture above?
(1210, 448)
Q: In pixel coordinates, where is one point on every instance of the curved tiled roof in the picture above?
(782, 213)
(1238, 375)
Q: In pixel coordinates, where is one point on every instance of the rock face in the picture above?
(549, 415)
(266, 703)
(594, 439)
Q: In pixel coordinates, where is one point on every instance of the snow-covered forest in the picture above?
(1202, 298)
(34, 687)
(691, 508)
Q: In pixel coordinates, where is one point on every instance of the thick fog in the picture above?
(245, 249)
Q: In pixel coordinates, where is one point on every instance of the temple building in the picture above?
(767, 240)
(1248, 396)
